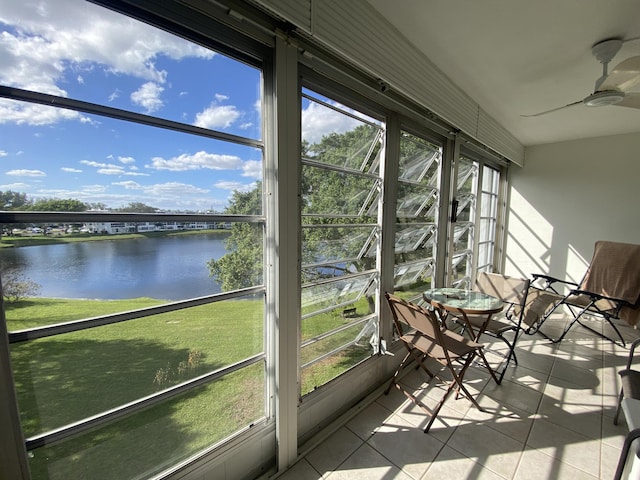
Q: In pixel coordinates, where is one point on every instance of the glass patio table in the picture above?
(463, 303)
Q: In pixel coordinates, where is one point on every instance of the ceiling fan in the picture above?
(611, 88)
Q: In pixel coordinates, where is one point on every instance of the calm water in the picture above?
(171, 268)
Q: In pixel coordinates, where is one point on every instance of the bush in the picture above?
(15, 286)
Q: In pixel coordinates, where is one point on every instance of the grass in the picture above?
(68, 377)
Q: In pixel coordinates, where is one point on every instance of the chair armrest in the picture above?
(549, 281)
(632, 349)
(598, 296)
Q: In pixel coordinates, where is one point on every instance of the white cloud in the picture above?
(148, 97)
(26, 173)
(94, 188)
(115, 94)
(252, 169)
(318, 121)
(34, 115)
(129, 184)
(3, 153)
(235, 186)
(112, 169)
(220, 97)
(80, 80)
(126, 160)
(15, 186)
(172, 189)
(215, 116)
(46, 42)
(197, 161)
(70, 170)
(91, 163)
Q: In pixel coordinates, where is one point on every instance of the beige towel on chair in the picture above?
(615, 272)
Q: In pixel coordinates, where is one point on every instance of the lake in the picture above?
(171, 268)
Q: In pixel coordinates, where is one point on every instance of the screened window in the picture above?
(134, 290)
(416, 214)
(463, 228)
(488, 218)
(474, 231)
(340, 194)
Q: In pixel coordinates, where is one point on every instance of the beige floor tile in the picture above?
(301, 471)
(610, 457)
(367, 464)
(488, 447)
(504, 418)
(536, 465)
(519, 396)
(566, 446)
(334, 450)
(584, 420)
(369, 420)
(406, 446)
(451, 464)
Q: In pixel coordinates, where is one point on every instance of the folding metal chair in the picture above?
(513, 292)
(425, 337)
(630, 380)
(609, 290)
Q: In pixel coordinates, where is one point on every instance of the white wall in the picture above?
(569, 195)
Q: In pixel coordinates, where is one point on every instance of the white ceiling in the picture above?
(517, 57)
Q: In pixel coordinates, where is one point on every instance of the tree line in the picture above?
(11, 200)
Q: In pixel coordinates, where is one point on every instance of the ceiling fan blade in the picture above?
(553, 109)
(624, 77)
(630, 100)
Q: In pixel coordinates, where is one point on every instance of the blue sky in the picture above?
(74, 49)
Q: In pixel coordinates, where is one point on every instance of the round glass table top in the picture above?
(465, 300)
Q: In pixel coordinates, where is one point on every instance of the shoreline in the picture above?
(38, 240)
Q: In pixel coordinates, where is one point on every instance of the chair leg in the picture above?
(401, 367)
(493, 374)
(457, 381)
(618, 408)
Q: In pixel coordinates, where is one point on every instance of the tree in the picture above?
(323, 191)
(58, 205)
(242, 265)
(138, 207)
(15, 286)
(11, 200)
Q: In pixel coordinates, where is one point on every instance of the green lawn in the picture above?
(69, 377)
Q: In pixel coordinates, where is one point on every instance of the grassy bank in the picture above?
(37, 239)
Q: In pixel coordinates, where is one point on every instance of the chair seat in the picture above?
(457, 346)
(497, 326)
(583, 301)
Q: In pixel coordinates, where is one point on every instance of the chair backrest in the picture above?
(413, 316)
(508, 289)
(614, 271)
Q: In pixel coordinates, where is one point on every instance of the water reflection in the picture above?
(171, 268)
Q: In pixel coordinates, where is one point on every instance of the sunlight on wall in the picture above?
(529, 239)
(576, 265)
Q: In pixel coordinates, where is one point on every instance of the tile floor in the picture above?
(551, 418)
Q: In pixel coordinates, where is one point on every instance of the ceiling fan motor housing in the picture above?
(607, 49)
(603, 98)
